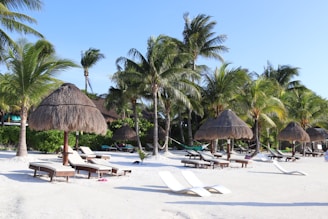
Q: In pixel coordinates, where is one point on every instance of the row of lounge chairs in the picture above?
(204, 159)
(88, 162)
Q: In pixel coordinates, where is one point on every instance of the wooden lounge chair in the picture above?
(195, 182)
(174, 185)
(286, 156)
(215, 161)
(116, 170)
(192, 154)
(87, 152)
(244, 162)
(276, 164)
(78, 163)
(53, 169)
(196, 163)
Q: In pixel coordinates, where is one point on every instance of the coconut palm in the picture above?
(223, 87)
(199, 40)
(261, 103)
(90, 58)
(32, 69)
(16, 22)
(162, 65)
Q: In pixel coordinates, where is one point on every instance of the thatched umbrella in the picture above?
(161, 133)
(68, 109)
(125, 133)
(293, 132)
(317, 134)
(228, 126)
(201, 133)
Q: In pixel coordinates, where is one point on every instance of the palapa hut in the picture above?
(293, 132)
(68, 109)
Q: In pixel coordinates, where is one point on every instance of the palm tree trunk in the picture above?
(167, 129)
(136, 123)
(155, 142)
(181, 129)
(190, 138)
(22, 148)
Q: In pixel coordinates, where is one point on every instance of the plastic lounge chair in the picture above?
(214, 160)
(196, 163)
(116, 170)
(88, 152)
(53, 169)
(78, 163)
(276, 164)
(193, 180)
(173, 184)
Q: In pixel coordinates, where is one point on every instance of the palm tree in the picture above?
(157, 70)
(261, 103)
(199, 40)
(14, 21)
(90, 58)
(32, 69)
(223, 87)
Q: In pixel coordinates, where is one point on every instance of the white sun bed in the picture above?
(53, 169)
(195, 182)
(276, 164)
(173, 184)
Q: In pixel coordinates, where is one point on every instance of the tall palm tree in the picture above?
(32, 69)
(157, 70)
(261, 103)
(16, 22)
(223, 87)
(283, 75)
(90, 58)
(199, 40)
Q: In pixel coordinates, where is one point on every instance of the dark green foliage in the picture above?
(95, 141)
(47, 141)
(9, 135)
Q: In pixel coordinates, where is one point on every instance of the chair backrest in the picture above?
(191, 178)
(170, 181)
(74, 158)
(86, 150)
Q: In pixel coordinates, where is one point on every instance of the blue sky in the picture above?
(283, 32)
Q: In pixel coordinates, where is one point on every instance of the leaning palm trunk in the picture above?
(167, 129)
(22, 148)
(181, 129)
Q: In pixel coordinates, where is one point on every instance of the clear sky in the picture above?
(283, 32)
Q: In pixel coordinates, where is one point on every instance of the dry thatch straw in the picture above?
(68, 109)
(317, 134)
(293, 132)
(125, 133)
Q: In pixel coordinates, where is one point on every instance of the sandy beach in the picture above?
(258, 191)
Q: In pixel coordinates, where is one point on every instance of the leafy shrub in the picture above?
(9, 135)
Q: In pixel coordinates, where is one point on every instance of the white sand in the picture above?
(258, 191)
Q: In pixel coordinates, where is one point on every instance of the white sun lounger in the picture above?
(276, 164)
(53, 169)
(195, 182)
(173, 184)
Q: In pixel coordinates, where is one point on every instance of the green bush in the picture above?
(95, 141)
(48, 141)
(9, 135)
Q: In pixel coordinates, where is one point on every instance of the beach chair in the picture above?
(88, 153)
(276, 164)
(174, 185)
(192, 154)
(244, 162)
(288, 157)
(215, 161)
(53, 169)
(116, 170)
(195, 182)
(78, 163)
(196, 163)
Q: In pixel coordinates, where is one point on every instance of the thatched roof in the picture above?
(161, 133)
(317, 134)
(109, 115)
(201, 133)
(228, 126)
(125, 133)
(293, 132)
(68, 109)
